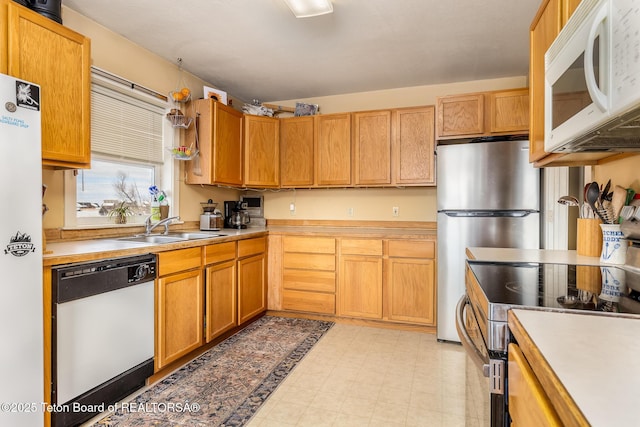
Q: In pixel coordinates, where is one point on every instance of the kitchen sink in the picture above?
(153, 239)
(193, 236)
(169, 238)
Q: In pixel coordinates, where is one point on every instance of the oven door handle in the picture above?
(478, 358)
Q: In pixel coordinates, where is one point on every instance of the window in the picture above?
(128, 131)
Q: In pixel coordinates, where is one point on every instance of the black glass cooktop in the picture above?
(576, 287)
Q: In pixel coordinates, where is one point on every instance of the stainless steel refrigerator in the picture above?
(488, 195)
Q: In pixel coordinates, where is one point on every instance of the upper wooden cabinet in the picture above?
(296, 151)
(508, 111)
(39, 50)
(483, 114)
(550, 19)
(460, 115)
(413, 159)
(372, 147)
(219, 129)
(261, 151)
(333, 150)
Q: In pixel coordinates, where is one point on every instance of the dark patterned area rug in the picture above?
(226, 385)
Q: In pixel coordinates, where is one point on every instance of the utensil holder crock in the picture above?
(589, 237)
(614, 245)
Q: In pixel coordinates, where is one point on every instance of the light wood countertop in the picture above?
(587, 363)
(94, 249)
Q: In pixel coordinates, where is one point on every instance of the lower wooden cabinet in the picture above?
(221, 289)
(252, 278)
(179, 314)
(309, 274)
(221, 299)
(529, 405)
(360, 278)
(410, 291)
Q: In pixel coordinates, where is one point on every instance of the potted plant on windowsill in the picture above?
(121, 212)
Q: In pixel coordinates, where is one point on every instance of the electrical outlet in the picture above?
(396, 211)
(350, 211)
(292, 208)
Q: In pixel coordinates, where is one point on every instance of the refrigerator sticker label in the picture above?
(27, 95)
(20, 245)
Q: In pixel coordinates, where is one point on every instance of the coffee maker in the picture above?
(211, 218)
(236, 215)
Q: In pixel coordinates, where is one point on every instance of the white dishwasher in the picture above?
(102, 334)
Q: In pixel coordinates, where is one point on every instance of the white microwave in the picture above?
(592, 80)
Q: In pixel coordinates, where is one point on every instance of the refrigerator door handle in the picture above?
(477, 214)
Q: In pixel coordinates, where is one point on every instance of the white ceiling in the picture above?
(257, 49)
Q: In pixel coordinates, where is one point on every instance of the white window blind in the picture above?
(125, 127)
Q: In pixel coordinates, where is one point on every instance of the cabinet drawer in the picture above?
(220, 252)
(309, 301)
(310, 261)
(308, 280)
(179, 260)
(318, 245)
(361, 247)
(251, 247)
(411, 248)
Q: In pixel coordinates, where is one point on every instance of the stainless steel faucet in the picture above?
(148, 226)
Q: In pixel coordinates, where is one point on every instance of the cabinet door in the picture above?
(372, 147)
(252, 287)
(360, 287)
(58, 59)
(460, 115)
(509, 111)
(261, 151)
(219, 139)
(227, 147)
(296, 151)
(414, 146)
(333, 150)
(544, 29)
(529, 405)
(221, 299)
(410, 290)
(179, 314)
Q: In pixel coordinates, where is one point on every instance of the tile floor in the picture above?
(363, 376)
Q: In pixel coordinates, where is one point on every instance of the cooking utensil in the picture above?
(570, 201)
(630, 196)
(626, 213)
(197, 169)
(618, 201)
(605, 192)
(593, 196)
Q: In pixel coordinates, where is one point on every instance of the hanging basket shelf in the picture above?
(180, 97)
(180, 121)
(183, 153)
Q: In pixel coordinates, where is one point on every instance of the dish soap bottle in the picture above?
(155, 210)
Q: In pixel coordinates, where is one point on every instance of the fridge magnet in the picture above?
(20, 245)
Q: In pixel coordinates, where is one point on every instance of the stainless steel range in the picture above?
(492, 288)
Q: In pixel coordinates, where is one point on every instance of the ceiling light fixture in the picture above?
(309, 8)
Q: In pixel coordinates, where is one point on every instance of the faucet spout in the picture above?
(148, 226)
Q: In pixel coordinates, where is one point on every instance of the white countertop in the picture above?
(597, 359)
(530, 255)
